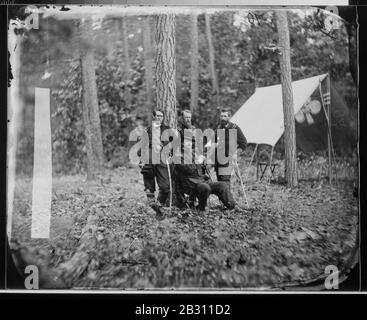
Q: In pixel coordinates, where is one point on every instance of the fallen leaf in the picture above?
(299, 236)
(310, 233)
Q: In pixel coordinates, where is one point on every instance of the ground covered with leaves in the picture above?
(285, 237)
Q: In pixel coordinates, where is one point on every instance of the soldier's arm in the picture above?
(170, 138)
(186, 169)
(241, 140)
(146, 130)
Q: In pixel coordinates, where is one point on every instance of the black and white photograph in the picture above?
(169, 148)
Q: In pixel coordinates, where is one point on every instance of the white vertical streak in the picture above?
(42, 166)
(14, 108)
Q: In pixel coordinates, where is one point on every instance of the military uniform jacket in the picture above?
(154, 147)
(241, 140)
(189, 175)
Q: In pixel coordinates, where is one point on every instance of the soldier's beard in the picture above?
(187, 124)
(223, 123)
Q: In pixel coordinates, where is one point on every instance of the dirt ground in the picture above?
(286, 236)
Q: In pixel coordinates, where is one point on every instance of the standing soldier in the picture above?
(186, 126)
(155, 169)
(223, 169)
(187, 149)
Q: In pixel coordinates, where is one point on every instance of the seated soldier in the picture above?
(187, 136)
(190, 179)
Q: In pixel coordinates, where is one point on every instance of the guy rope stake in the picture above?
(240, 177)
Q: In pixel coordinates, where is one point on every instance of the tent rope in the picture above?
(252, 158)
(329, 133)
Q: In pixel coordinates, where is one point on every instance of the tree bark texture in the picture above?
(194, 92)
(352, 47)
(148, 66)
(92, 125)
(165, 67)
(287, 93)
(213, 72)
(125, 36)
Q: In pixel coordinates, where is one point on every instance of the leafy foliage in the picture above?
(244, 59)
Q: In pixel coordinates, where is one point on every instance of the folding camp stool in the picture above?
(263, 166)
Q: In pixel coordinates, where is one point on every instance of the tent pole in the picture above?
(257, 163)
(271, 159)
(331, 138)
(327, 114)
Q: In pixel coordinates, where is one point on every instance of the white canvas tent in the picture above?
(261, 116)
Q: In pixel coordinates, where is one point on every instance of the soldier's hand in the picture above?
(211, 145)
(209, 165)
(234, 157)
(200, 159)
(241, 152)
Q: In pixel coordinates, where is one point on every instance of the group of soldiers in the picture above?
(189, 181)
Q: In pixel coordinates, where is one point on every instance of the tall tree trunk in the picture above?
(286, 77)
(194, 92)
(352, 46)
(148, 64)
(125, 36)
(213, 72)
(165, 67)
(92, 125)
(350, 17)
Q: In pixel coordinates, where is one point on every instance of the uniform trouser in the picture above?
(153, 173)
(223, 192)
(220, 189)
(202, 192)
(224, 173)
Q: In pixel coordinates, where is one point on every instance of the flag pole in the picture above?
(333, 157)
(331, 137)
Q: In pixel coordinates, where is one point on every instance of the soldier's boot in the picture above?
(152, 203)
(162, 197)
(192, 201)
(202, 193)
